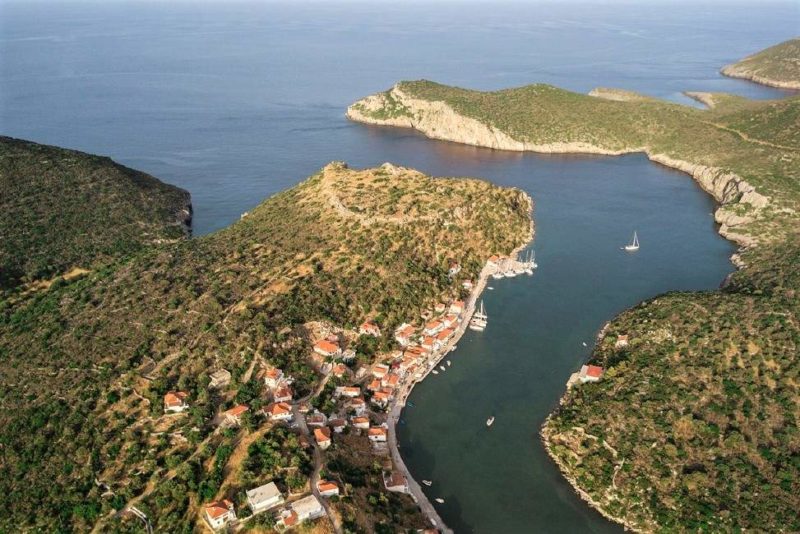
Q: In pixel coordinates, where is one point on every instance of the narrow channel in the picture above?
(499, 479)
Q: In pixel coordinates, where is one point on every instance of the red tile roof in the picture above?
(594, 371)
(236, 411)
(218, 508)
(322, 434)
(326, 346)
(175, 398)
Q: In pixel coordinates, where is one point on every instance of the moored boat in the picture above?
(490, 421)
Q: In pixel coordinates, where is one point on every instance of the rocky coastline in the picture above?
(739, 202)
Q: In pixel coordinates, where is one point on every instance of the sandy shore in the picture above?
(396, 407)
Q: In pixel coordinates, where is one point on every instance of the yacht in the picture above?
(634, 245)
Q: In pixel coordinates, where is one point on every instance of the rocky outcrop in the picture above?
(745, 73)
(739, 201)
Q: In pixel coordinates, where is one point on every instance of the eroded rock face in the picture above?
(438, 120)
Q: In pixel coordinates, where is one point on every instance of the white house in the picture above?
(590, 373)
(308, 508)
(368, 328)
(264, 497)
(279, 411)
(403, 334)
(283, 394)
(361, 422)
(175, 402)
(324, 347)
(273, 377)
(233, 417)
(219, 513)
(323, 437)
(395, 481)
(377, 433)
(327, 488)
(348, 391)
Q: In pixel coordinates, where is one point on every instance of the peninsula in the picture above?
(62, 209)
(777, 66)
(693, 423)
(241, 379)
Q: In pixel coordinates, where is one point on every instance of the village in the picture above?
(366, 402)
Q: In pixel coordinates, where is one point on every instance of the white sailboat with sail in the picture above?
(479, 320)
(634, 245)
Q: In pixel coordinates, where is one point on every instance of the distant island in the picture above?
(777, 66)
(241, 379)
(687, 419)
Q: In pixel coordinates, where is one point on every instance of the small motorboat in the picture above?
(443, 368)
(584, 344)
(439, 500)
(434, 371)
(490, 421)
(490, 288)
(427, 482)
(448, 363)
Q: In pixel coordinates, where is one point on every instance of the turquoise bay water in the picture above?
(236, 101)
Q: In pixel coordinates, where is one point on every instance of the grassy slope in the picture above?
(336, 247)
(62, 209)
(774, 65)
(703, 408)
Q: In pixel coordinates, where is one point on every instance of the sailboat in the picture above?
(634, 246)
(478, 321)
(530, 265)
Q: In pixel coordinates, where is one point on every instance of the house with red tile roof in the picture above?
(404, 334)
(361, 422)
(338, 425)
(433, 327)
(431, 343)
(339, 370)
(234, 416)
(454, 269)
(450, 320)
(369, 328)
(590, 373)
(348, 391)
(175, 402)
(444, 335)
(377, 433)
(396, 481)
(325, 347)
(327, 488)
(316, 419)
(323, 437)
(279, 411)
(283, 394)
(457, 307)
(219, 513)
(390, 381)
(273, 377)
(380, 370)
(359, 405)
(381, 399)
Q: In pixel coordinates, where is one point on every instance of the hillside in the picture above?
(778, 66)
(62, 209)
(694, 424)
(88, 360)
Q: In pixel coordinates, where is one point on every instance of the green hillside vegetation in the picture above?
(86, 361)
(778, 65)
(695, 424)
(61, 209)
